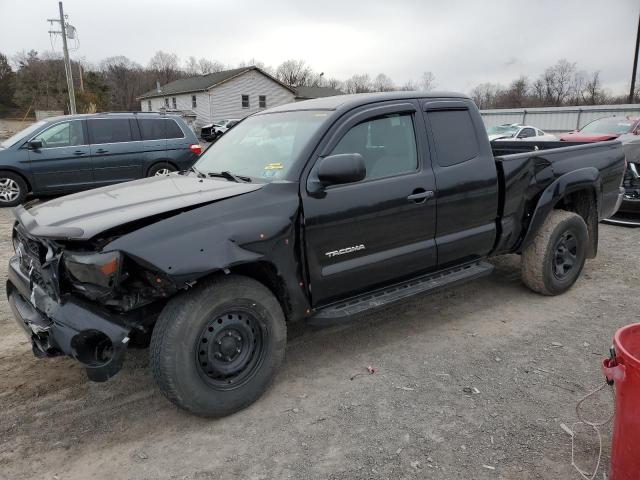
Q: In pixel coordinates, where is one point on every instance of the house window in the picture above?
(262, 101)
(194, 102)
(245, 101)
(174, 103)
(149, 105)
(166, 102)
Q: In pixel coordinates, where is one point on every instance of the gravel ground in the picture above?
(473, 382)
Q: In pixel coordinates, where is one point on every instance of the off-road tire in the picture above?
(539, 255)
(178, 332)
(12, 181)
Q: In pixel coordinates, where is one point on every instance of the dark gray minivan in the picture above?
(76, 152)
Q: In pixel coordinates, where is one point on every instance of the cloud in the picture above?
(463, 42)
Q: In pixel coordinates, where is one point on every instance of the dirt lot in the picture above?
(529, 357)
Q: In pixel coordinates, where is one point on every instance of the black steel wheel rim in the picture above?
(230, 349)
(565, 255)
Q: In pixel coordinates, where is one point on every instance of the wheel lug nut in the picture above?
(237, 350)
(218, 355)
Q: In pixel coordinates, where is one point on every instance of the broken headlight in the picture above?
(87, 270)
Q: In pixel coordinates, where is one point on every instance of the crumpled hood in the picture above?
(85, 214)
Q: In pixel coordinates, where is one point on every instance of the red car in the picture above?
(608, 128)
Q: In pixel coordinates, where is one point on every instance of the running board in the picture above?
(384, 296)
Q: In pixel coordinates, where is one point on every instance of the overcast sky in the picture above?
(463, 42)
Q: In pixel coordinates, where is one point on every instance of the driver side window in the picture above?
(387, 144)
(65, 134)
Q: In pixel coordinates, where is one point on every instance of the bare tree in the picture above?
(332, 83)
(592, 92)
(203, 66)
(428, 82)
(166, 66)
(409, 86)
(382, 83)
(485, 94)
(209, 66)
(359, 83)
(296, 73)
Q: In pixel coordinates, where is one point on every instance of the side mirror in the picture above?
(34, 145)
(342, 168)
(336, 170)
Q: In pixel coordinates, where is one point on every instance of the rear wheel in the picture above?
(215, 349)
(553, 261)
(13, 189)
(161, 169)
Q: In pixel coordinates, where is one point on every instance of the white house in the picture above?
(229, 94)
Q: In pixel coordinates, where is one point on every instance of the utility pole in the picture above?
(635, 64)
(80, 75)
(67, 62)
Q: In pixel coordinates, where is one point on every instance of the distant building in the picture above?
(229, 94)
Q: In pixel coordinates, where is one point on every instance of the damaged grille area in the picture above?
(32, 255)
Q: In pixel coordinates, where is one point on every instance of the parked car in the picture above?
(515, 131)
(608, 128)
(378, 197)
(213, 131)
(77, 152)
(626, 130)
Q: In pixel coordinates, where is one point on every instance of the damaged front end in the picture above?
(74, 299)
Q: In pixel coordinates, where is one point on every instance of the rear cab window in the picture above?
(454, 136)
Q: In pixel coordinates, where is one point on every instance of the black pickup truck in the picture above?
(311, 211)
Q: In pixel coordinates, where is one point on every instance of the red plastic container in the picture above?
(624, 370)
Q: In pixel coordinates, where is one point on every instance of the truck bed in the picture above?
(518, 162)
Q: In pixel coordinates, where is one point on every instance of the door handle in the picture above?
(79, 152)
(102, 150)
(420, 196)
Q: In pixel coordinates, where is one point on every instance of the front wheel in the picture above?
(552, 262)
(13, 189)
(215, 349)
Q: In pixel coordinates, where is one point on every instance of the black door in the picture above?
(381, 229)
(63, 162)
(116, 150)
(467, 181)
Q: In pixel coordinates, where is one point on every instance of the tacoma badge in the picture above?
(342, 251)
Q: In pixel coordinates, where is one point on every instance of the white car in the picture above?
(212, 131)
(515, 131)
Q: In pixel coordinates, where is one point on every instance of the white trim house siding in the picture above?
(226, 98)
(183, 102)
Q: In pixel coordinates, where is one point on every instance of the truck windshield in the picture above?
(609, 125)
(262, 146)
(21, 134)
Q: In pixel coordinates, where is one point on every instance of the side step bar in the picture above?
(384, 296)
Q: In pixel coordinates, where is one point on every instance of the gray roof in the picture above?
(340, 102)
(316, 92)
(201, 82)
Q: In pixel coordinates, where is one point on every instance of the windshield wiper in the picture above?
(230, 176)
(197, 172)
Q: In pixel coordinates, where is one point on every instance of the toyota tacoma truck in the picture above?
(314, 211)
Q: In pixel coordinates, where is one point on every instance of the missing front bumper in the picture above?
(73, 327)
